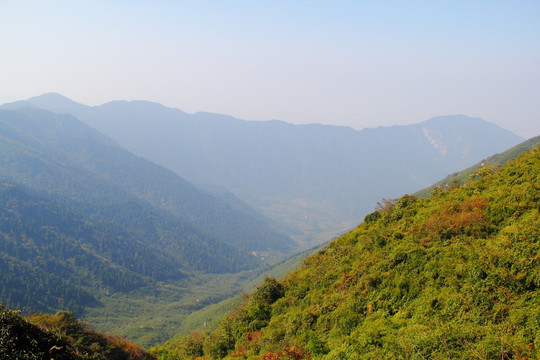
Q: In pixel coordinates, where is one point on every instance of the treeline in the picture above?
(456, 275)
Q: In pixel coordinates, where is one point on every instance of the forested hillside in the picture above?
(456, 275)
(49, 255)
(60, 155)
(87, 227)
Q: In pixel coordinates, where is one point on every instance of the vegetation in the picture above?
(152, 320)
(460, 177)
(453, 276)
(60, 155)
(89, 228)
(59, 337)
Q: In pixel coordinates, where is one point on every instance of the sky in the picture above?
(343, 62)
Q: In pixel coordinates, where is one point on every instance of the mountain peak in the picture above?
(447, 121)
(51, 96)
(56, 103)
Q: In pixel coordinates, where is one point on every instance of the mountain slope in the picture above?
(60, 337)
(87, 227)
(460, 177)
(61, 155)
(455, 275)
(53, 258)
(316, 179)
(43, 151)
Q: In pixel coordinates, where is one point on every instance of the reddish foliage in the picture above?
(240, 352)
(466, 217)
(253, 336)
(270, 356)
(346, 281)
(297, 353)
(292, 352)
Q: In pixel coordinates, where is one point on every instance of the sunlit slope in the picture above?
(456, 275)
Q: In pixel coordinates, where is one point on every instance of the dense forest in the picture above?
(60, 155)
(455, 275)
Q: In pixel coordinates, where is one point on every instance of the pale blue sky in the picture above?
(355, 63)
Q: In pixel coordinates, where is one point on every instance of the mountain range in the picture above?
(88, 223)
(317, 180)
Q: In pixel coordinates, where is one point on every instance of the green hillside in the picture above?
(53, 259)
(453, 276)
(208, 317)
(60, 155)
(460, 177)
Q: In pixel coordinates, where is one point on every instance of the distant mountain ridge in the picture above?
(316, 179)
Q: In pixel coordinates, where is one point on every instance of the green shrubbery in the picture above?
(454, 276)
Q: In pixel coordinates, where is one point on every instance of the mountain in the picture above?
(62, 156)
(455, 275)
(88, 227)
(315, 179)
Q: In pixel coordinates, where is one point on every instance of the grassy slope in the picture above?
(452, 276)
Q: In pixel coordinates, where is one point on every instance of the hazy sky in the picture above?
(356, 63)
